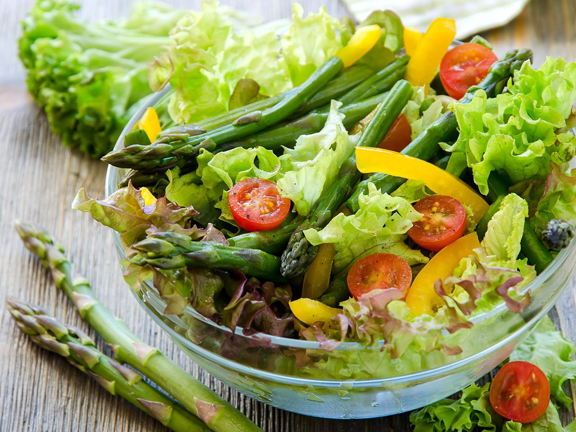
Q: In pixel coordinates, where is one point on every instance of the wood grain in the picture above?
(38, 180)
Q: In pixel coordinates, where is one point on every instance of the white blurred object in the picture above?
(471, 17)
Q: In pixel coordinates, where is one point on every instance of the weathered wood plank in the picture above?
(38, 178)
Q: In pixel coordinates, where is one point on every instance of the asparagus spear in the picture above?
(426, 145)
(72, 344)
(169, 250)
(378, 82)
(272, 138)
(272, 241)
(299, 253)
(215, 412)
(349, 78)
(164, 153)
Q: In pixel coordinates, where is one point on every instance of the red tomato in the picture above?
(520, 392)
(465, 66)
(443, 222)
(257, 205)
(398, 136)
(379, 271)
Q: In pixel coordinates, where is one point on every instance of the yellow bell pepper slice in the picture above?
(310, 311)
(317, 277)
(361, 42)
(421, 298)
(389, 162)
(429, 52)
(150, 124)
(149, 199)
(412, 37)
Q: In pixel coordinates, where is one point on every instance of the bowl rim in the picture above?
(111, 186)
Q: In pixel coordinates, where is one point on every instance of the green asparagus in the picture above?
(349, 78)
(79, 350)
(272, 138)
(216, 413)
(299, 253)
(426, 145)
(272, 241)
(169, 250)
(165, 153)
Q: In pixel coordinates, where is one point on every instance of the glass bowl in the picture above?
(351, 381)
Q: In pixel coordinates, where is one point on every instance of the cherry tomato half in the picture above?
(520, 392)
(443, 222)
(398, 136)
(465, 66)
(379, 271)
(257, 205)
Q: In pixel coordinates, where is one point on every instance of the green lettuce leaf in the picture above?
(212, 50)
(551, 352)
(520, 132)
(472, 410)
(505, 230)
(311, 41)
(316, 160)
(380, 225)
(421, 110)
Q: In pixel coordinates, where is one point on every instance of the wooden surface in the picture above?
(38, 179)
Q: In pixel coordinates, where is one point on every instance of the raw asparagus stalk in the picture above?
(216, 413)
(426, 145)
(74, 345)
(349, 78)
(164, 153)
(169, 250)
(287, 134)
(273, 138)
(272, 241)
(379, 82)
(299, 253)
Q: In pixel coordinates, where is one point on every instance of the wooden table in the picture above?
(39, 178)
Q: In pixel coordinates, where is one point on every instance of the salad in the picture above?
(339, 183)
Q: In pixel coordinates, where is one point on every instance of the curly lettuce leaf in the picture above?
(505, 230)
(422, 110)
(551, 352)
(89, 76)
(520, 132)
(558, 199)
(472, 410)
(316, 160)
(310, 42)
(380, 225)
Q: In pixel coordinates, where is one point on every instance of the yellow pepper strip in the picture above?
(317, 277)
(147, 195)
(412, 37)
(428, 54)
(361, 42)
(389, 162)
(310, 311)
(421, 298)
(150, 124)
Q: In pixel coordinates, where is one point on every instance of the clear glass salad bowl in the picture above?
(350, 381)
